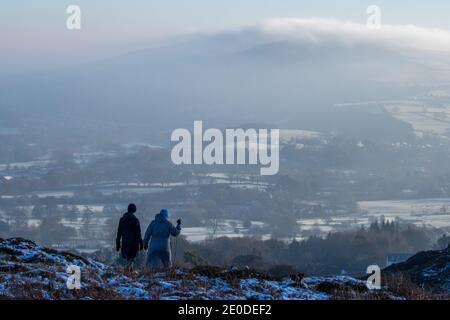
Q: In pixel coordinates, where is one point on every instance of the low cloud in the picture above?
(320, 30)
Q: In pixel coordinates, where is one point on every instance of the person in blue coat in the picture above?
(159, 231)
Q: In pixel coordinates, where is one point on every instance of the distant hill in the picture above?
(226, 79)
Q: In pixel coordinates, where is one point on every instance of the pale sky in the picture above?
(34, 35)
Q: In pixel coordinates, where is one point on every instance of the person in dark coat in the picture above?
(129, 231)
(159, 231)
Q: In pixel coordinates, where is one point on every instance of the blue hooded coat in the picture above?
(159, 231)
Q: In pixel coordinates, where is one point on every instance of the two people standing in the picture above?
(129, 240)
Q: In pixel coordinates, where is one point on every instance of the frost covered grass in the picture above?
(29, 271)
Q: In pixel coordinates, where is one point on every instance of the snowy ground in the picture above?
(28, 271)
(431, 212)
(425, 120)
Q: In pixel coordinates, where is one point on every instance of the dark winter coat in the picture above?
(159, 231)
(129, 232)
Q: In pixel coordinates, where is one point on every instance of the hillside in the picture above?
(428, 269)
(29, 271)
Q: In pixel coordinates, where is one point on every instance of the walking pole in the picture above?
(175, 252)
(176, 244)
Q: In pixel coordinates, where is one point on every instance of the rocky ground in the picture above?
(29, 271)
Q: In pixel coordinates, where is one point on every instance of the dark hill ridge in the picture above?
(29, 271)
(428, 269)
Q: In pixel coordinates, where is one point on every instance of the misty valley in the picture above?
(239, 146)
(330, 186)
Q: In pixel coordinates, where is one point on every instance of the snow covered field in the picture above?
(425, 120)
(431, 212)
(428, 212)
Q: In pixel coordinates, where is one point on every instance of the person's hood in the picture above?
(160, 218)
